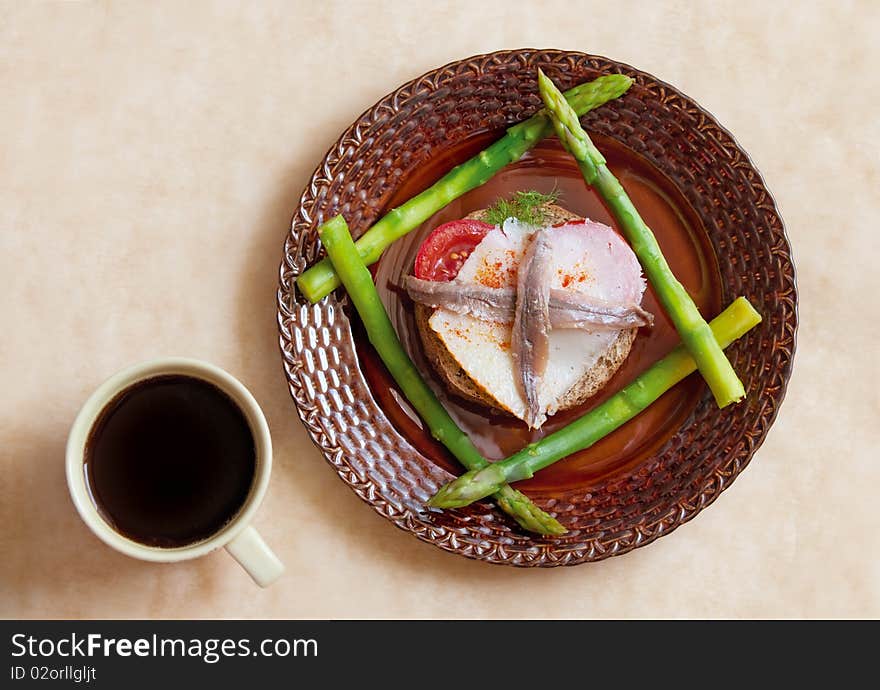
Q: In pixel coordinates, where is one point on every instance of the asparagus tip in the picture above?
(469, 487)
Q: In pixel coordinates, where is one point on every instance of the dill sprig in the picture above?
(529, 207)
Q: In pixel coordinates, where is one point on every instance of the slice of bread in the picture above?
(460, 383)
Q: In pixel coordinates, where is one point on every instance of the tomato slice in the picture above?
(444, 251)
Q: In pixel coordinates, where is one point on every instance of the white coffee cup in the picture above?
(238, 537)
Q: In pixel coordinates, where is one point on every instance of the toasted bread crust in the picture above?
(446, 366)
(460, 383)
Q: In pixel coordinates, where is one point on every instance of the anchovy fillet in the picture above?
(568, 309)
(530, 338)
(573, 310)
(487, 304)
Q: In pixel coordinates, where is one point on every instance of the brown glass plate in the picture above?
(716, 222)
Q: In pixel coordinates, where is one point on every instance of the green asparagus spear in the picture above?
(731, 324)
(359, 284)
(320, 280)
(691, 327)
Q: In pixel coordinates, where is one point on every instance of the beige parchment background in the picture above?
(150, 158)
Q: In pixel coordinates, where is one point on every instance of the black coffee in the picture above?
(170, 461)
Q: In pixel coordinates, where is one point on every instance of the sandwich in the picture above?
(526, 308)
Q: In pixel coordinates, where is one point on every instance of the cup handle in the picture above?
(255, 556)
